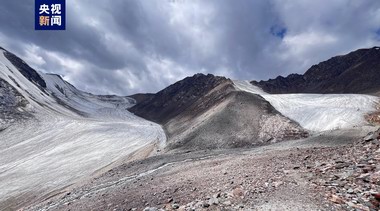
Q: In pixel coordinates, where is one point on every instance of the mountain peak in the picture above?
(178, 96)
(25, 69)
(203, 75)
(355, 72)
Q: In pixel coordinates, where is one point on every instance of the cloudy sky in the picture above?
(128, 46)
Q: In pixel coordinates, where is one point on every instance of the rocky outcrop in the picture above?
(356, 72)
(207, 112)
(25, 69)
(12, 105)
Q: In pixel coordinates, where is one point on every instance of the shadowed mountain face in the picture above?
(207, 112)
(140, 97)
(25, 69)
(176, 98)
(356, 72)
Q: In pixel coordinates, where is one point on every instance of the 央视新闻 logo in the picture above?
(50, 15)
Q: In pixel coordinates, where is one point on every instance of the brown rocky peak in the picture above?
(174, 99)
(356, 72)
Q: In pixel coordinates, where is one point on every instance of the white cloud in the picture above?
(32, 56)
(300, 44)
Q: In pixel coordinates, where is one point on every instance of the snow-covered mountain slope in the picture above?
(86, 104)
(319, 112)
(67, 135)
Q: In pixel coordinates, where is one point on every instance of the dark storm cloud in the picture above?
(80, 40)
(133, 46)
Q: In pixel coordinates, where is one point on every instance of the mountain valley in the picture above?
(206, 142)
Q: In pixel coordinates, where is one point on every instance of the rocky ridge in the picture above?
(356, 72)
(25, 69)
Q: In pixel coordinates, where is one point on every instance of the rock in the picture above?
(350, 191)
(365, 177)
(150, 209)
(216, 195)
(375, 203)
(175, 206)
(277, 184)
(205, 205)
(366, 170)
(336, 199)
(351, 204)
(358, 207)
(198, 204)
(369, 137)
(376, 195)
(342, 165)
(213, 201)
(227, 203)
(238, 192)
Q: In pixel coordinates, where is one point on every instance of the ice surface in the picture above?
(319, 112)
(73, 135)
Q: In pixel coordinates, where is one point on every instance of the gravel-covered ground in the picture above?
(292, 175)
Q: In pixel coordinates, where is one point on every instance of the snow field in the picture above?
(319, 112)
(60, 147)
